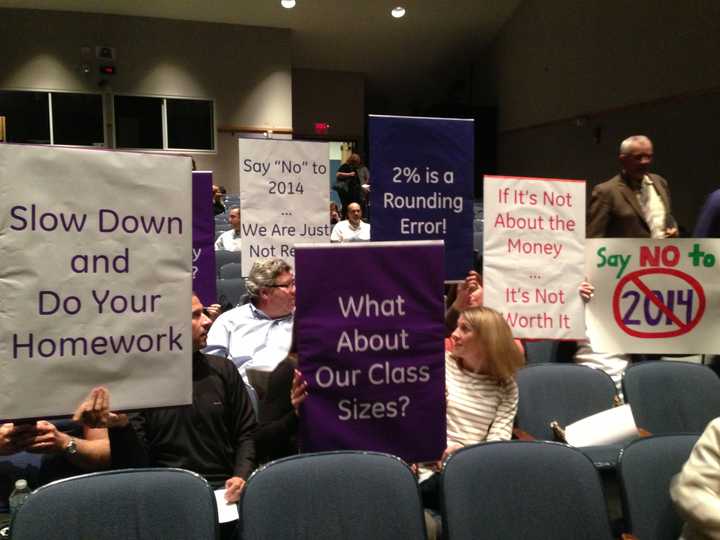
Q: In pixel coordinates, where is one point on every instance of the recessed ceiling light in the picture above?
(287, 4)
(398, 12)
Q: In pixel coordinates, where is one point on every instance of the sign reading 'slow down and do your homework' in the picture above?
(95, 281)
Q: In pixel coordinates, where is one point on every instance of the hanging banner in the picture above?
(422, 184)
(95, 280)
(203, 238)
(371, 348)
(534, 252)
(654, 296)
(284, 197)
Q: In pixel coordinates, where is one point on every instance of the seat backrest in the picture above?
(14, 467)
(522, 489)
(230, 292)
(541, 351)
(223, 257)
(231, 270)
(129, 503)
(561, 392)
(672, 397)
(646, 467)
(331, 495)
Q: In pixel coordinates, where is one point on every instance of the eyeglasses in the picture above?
(288, 285)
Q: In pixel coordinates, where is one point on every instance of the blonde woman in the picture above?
(482, 396)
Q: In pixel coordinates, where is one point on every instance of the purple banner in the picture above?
(203, 238)
(370, 341)
(422, 184)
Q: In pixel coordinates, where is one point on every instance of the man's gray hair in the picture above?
(627, 143)
(263, 274)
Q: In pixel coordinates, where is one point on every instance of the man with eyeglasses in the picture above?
(257, 335)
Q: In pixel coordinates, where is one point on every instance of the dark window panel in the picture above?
(26, 117)
(138, 122)
(77, 119)
(190, 124)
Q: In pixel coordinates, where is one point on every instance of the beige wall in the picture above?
(246, 70)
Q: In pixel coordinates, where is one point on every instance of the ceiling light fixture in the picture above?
(398, 12)
(287, 4)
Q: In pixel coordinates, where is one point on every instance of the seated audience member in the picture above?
(212, 437)
(257, 335)
(696, 489)
(613, 364)
(334, 213)
(231, 240)
(61, 448)
(218, 204)
(88, 453)
(352, 229)
(278, 411)
(482, 396)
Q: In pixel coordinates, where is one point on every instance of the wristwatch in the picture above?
(71, 447)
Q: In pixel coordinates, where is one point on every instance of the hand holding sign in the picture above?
(95, 411)
(298, 391)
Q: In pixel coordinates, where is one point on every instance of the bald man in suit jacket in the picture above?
(615, 206)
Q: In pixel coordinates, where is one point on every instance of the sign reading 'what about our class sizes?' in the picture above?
(95, 280)
(371, 348)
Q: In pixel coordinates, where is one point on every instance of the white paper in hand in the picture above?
(607, 427)
(226, 511)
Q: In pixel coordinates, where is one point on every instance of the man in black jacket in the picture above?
(212, 437)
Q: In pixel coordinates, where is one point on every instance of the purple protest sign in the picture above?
(422, 184)
(370, 340)
(203, 238)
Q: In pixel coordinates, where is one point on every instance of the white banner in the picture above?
(654, 296)
(534, 234)
(95, 279)
(284, 197)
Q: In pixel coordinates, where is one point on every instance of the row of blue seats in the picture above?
(665, 397)
(498, 490)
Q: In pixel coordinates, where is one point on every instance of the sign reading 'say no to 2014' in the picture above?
(654, 296)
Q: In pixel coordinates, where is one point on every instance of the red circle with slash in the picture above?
(634, 278)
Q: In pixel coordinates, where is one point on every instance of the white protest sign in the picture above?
(654, 296)
(534, 234)
(284, 197)
(95, 282)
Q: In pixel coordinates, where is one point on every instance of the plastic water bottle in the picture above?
(18, 495)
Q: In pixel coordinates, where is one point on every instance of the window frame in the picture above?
(49, 92)
(164, 124)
